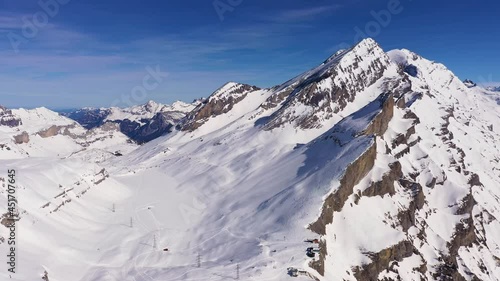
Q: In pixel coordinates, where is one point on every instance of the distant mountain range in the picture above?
(140, 123)
(493, 89)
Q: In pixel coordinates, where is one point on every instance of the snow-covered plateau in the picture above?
(373, 165)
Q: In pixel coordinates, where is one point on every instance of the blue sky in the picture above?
(97, 52)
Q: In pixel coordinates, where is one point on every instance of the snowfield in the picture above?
(398, 177)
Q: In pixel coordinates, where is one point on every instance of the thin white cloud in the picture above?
(78, 67)
(490, 84)
(306, 14)
(10, 22)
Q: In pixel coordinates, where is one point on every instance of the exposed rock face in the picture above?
(24, 137)
(335, 201)
(8, 119)
(469, 83)
(357, 170)
(7, 220)
(425, 211)
(89, 118)
(407, 217)
(328, 88)
(220, 102)
(465, 236)
(276, 99)
(382, 260)
(319, 264)
(159, 125)
(141, 123)
(381, 122)
(45, 276)
(50, 132)
(386, 185)
(474, 180)
(64, 130)
(411, 70)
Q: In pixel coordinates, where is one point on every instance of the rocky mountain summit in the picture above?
(469, 83)
(220, 102)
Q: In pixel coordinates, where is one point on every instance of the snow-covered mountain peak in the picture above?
(185, 107)
(365, 44)
(232, 89)
(469, 83)
(220, 102)
(322, 92)
(152, 106)
(342, 59)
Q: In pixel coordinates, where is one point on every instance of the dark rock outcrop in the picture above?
(465, 236)
(469, 83)
(89, 118)
(8, 220)
(158, 126)
(50, 132)
(474, 180)
(380, 124)
(45, 276)
(7, 118)
(386, 185)
(24, 137)
(220, 102)
(382, 260)
(407, 217)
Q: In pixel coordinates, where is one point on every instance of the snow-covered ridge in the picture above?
(320, 94)
(230, 88)
(149, 110)
(35, 120)
(41, 132)
(220, 102)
